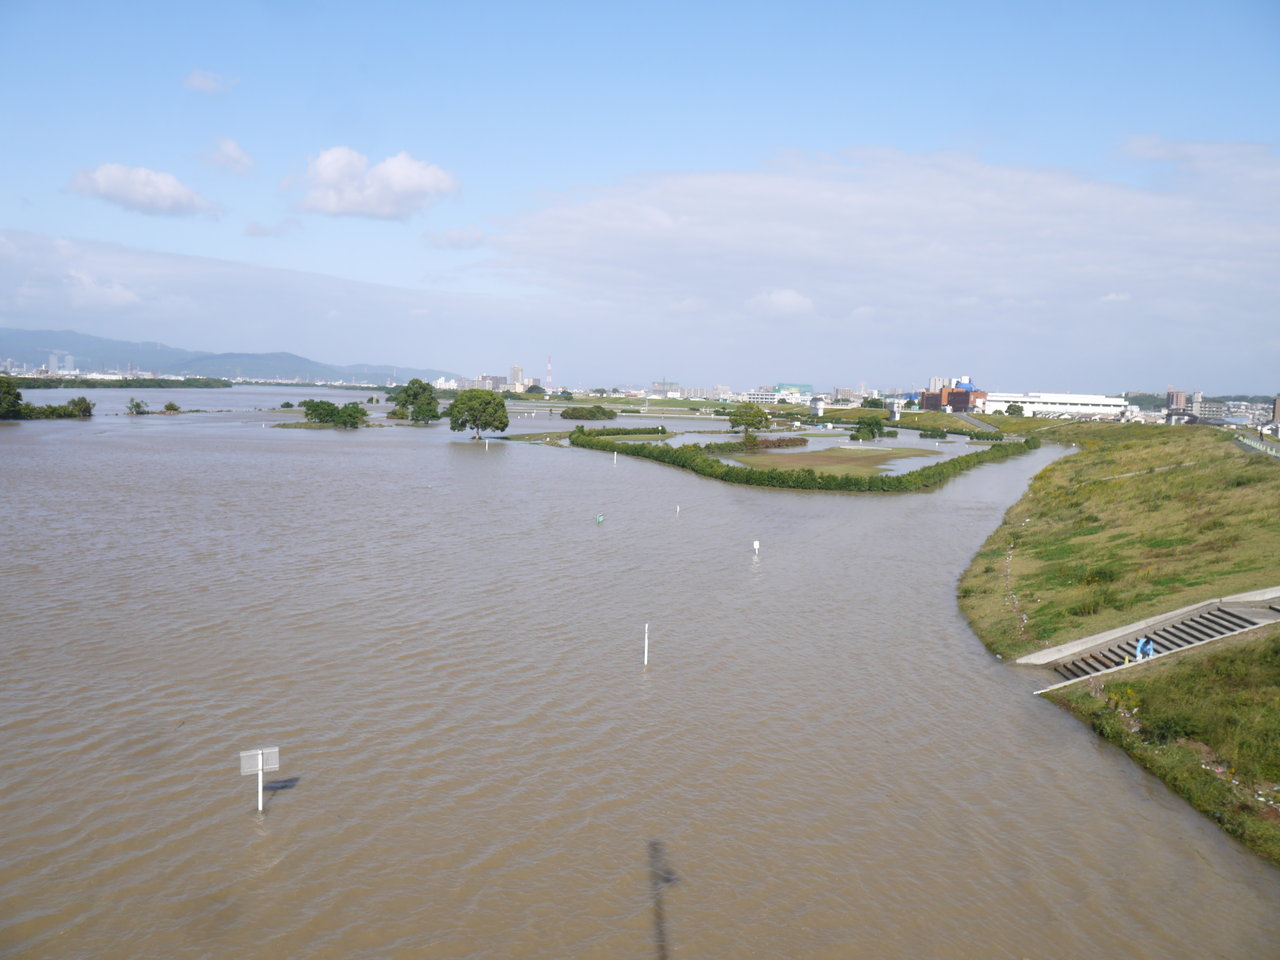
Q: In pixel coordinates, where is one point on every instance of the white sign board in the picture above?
(259, 761)
(265, 760)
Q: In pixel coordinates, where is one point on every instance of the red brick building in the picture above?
(961, 401)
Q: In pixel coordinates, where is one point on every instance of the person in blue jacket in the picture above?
(1146, 649)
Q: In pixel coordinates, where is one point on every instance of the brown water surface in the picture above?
(820, 761)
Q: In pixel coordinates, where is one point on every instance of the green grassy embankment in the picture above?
(1207, 723)
(1143, 520)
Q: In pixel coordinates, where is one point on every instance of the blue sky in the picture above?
(1085, 197)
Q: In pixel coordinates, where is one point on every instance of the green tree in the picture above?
(867, 428)
(319, 411)
(80, 407)
(10, 400)
(324, 411)
(419, 399)
(136, 407)
(172, 407)
(749, 416)
(349, 415)
(534, 389)
(873, 403)
(287, 405)
(477, 410)
(1014, 409)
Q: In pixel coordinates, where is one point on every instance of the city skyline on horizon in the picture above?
(926, 382)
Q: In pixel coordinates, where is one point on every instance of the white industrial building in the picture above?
(1057, 404)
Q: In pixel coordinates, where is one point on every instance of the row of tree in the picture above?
(694, 457)
(619, 431)
(13, 407)
(593, 412)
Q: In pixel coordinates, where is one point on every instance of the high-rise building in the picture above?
(936, 384)
(1275, 410)
(1175, 399)
(517, 374)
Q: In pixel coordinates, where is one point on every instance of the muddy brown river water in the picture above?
(820, 761)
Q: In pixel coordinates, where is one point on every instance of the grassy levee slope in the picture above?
(1143, 520)
(1207, 723)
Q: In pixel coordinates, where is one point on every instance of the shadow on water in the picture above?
(275, 786)
(660, 875)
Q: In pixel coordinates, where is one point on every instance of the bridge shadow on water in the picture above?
(660, 876)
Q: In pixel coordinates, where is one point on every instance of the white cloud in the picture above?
(1013, 273)
(456, 239)
(87, 293)
(206, 82)
(228, 155)
(255, 229)
(780, 302)
(341, 183)
(140, 189)
(912, 265)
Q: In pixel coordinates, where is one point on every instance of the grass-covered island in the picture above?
(707, 460)
(1143, 520)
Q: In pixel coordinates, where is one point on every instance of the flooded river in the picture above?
(820, 760)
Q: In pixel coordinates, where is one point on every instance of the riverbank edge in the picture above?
(1248, 812)
(1183, 768)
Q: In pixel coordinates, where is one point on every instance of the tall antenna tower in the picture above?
(548, 373)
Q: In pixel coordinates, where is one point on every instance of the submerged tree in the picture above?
(10, 400)
(324, 411)
(749, 416)
(478, 410)
(13, 407)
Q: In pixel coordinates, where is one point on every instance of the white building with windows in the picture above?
(1057, 404)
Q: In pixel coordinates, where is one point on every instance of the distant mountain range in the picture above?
(33, 348)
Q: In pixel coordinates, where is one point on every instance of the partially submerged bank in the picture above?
(703, 459)
(1143, 520)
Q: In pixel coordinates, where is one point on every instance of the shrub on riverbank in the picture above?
(621, 431)
(702, 461)
(13, 407)
(594, 412)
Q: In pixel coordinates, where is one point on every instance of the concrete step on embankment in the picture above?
(1204, 626)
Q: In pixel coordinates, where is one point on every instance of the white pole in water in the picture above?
(486, 443)
(256, 761)
(615, 458)
(756, 544)
(677, 509)
(646, 644)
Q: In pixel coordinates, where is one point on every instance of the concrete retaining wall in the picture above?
(1065, 650)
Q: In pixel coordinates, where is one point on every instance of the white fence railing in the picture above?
(1262, 445)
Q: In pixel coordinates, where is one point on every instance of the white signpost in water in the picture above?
(264, 759)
